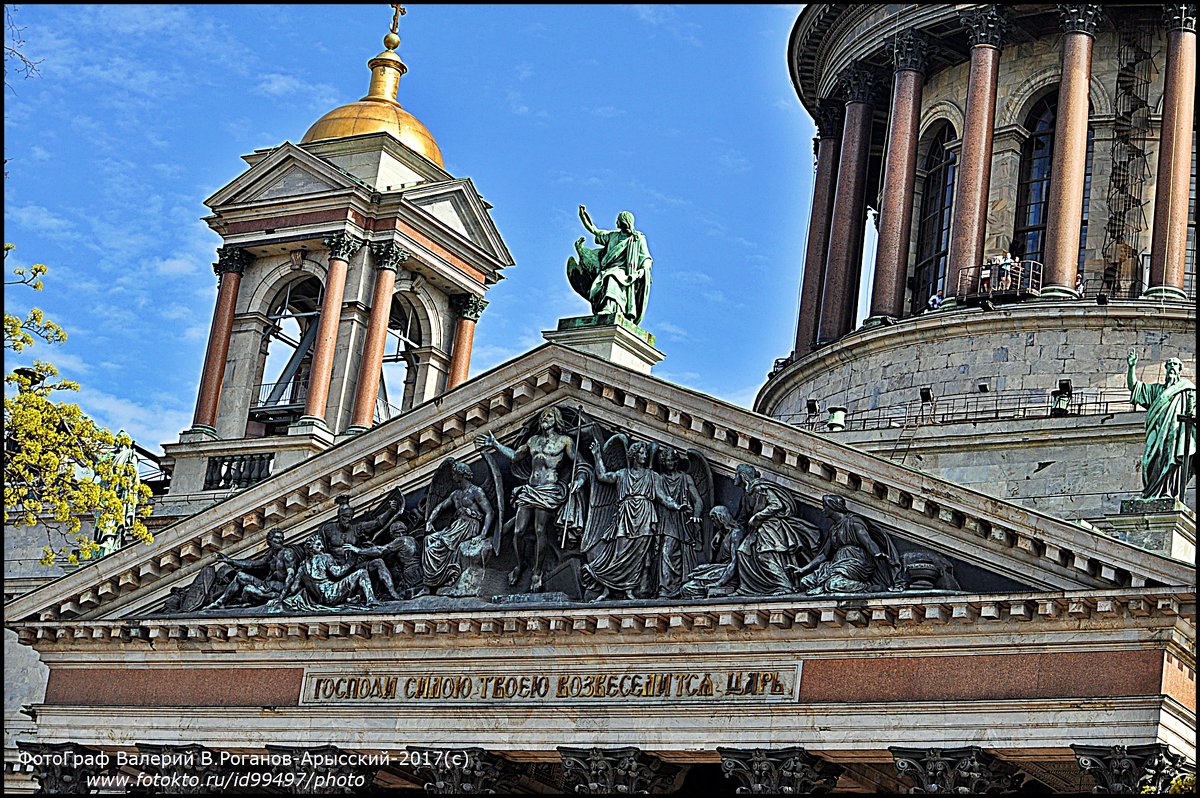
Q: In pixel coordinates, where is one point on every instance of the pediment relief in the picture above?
(980, 537)
(288, 171)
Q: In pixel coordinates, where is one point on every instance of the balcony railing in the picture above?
(963, 408)
(291, 394)
(237, 470)
(998, 282)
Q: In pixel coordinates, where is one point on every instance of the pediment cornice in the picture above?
(284, 159)
(1033, 548)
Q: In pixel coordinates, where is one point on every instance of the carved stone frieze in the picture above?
(389, 255)
(1130, 769)
(911, 50)
(956, 771)
(468, 306)
(1179, 16)
(782, 771)
(463, 771)
(232, 260)
(985, 26)
(1080, 17)
(342, 246)
(66, 768)
(606, 771)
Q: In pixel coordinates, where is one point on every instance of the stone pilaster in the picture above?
(605, 771)
(783, 771)
(956, 771)
(463, 771)
(1130, 769)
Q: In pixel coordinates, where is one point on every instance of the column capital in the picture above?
(1080, 17)
(342, 246)
(468, 306)
(389, 255)
(947, 771)
(781, 771)
(606, 771)
(1130, 769)
(232, 259)
(829, 118)
(1179, 16)
(985, 26)
(858, 83)
(910, 50)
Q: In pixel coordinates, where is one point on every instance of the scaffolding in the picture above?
(1127, 221)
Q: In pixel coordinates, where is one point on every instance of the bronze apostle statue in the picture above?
(1170, 455)
(614, 279)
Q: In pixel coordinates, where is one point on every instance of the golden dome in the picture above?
(379, 111)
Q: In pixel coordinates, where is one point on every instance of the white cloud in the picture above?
(175, 265)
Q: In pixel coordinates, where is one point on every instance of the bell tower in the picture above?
(352, 271)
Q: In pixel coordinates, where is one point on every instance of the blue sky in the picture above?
(684, 115)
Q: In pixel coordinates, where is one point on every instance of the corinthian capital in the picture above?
(389, 255)
(1180, 16)
(910, 50)
(468, 306)
(232, 260)
(342, 246)
(829, 119)
(1081, 18)
(984, 25)
(858, 84)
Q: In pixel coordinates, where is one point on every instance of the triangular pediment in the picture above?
(287, 172)
(1016, 546)
(456, 205)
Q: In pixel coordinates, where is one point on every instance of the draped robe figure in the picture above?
(778, 539)
(1170, 453)
(616, 278)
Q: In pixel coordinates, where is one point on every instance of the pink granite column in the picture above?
(843, 264)
(341, 248)
(468, 308)
(985, 28)
(827, 145)
(910, 55)
(1069, 166)
(1168, 244)
(388, 258)
(231, 263)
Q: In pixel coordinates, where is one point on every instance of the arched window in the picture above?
(1033, 192)
(933, 224)
(287, 358)
(397, 382)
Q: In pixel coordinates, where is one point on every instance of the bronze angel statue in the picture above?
(614, 279)
(621, 535)
(683, 537)
(448, 548)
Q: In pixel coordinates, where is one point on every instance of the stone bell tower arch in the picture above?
(345, 259)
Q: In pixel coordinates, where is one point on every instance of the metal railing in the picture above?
(385, 411)
(237, 470)
(1006, 279)
(291, 394)
(965, 408)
